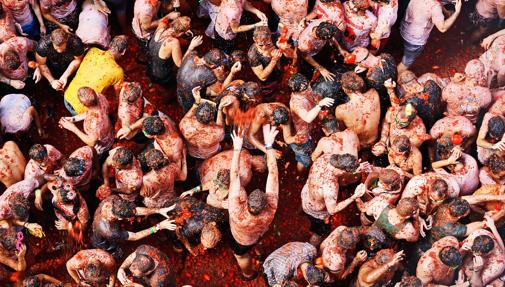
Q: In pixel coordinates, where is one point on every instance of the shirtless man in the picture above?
(290, 13)
(485, 255)
(97, 126)
(401, 222)
(360, 23)
(459, 128)
(338, 252)
(336, 142)
(361, 113)
(148, 265)
(493, 172)
(14, 61)
(386, 12)
(493, 58)
(251, 216)
(44, 159)
(214, 175)
(466, 95)
(305, 106)
(401, 120)
(379, 270)
(491, 138)
(438, 265)
(127, 174)
(405, 156)
(78, 168)
(92, 267)
(202, 133)
(166, 138)
(158, 184)
(130, 112)
(12, 164)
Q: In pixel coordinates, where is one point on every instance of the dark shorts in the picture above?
(239, 249)
(303, 152)
(117, 6)
(411, 52)
(479, 20)
(319, 227)
(226, 46)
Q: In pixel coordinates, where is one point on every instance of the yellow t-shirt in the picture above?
(99, 71)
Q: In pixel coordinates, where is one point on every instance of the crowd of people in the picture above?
(422, 158)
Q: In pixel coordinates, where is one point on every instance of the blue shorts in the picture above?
(32, 29)
(303, 152)
(69, 107)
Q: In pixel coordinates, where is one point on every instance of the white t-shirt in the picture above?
(14, 114)
(420, 19)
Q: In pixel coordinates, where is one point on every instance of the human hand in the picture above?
(66, 28)
(63, 80)
(489, 221)
(466, 246)
(187, 193)
(62, 225)
(17, 84)
(379, 148)
(261, 23)
(22, 251)
(66, 124)
(262, 16)
(237, 139)
(364, 167)
(499, 146)
(327, 75)
(276, 54)
(164, 211)
(195, 42)
(168, 224)
(478, 263)
(196, 94)
(56, 85)
(269, 134)
(390, 84)
(455, 155)
(101, 6)
(225, 103)
(43, 30)
(326, 102)
(302, 24)
(20, 30)
(361, 256)
(124, 133)
(173, 15)
(397, 258)
(237, 66)
(121, 277)
(37, 75)
(457, 5)
(360, 191)
(35, 229)
(359, 69)
(486, 43)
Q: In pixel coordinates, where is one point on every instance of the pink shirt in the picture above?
(141, 9)
(24, 188)
(488, 8)
(58, 12)
(93, 26)
(307, 43)
(332, 12)
(358, 28)
(386, 17)
(20, 10)
(468, 177)
(229, 10)
(98, 123)
(22, 46)
(290, 13)
(35, 171)
(7, 27)
(420, 19)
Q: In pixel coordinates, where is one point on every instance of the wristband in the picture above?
(195, 189)
(268, 146)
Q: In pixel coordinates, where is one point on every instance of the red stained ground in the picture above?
(444, 55)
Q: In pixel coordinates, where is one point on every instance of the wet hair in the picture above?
(37, 152)
(59, 37)
(459, 208)
(87, 96)
(289, 284)
(8, 238)
(390, 177)
(93, 272)
(181, 24)
(444, 147)
(123, 208)
(329, 124)
(374, 238)
(11, 59)
(262, 32)
(475, 69)
(346, 162)
(20, 207)
(32, 281)
(280, 115)
(407, 206)
(326, 31)
(205, 112)
(215, 58)
(211, 235)
(250, 89)
(330, 89)
(496, 163)
(496, 127)
(256, 202)
(348, 238)
(450, 256)
(153, 126)
(223, 177)
(384, 256)
(123, 156)
(132, 91)
(483, 244)
(353, 82)
(68, 196)
(155, 159)
(119, 44)
(142, 263)
(411, 281)
(406, 77)
(402, 143)
(315, 276)
(238, 56)
(439, 188)
(298, 83)
(361, 4)
(74, 167)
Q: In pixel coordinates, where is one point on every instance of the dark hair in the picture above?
(289, 284)
(37, 152)
(205, 112)
(496, 163)
(74, 167)
(11, 59)
(390, 177)
(59, 37)
(439, 188)
(298, 83)
(87, 96)
(346, 162)
(384, 256)
(215, 58)
(326, 31)
(123, 208)
(353, 82)
(143, 263)
(256, 202)
(93, 272)
(32, 281)
(8, 238)
(361, 4)
(69, 196)
(250, 89)
(123, 156)
(153, 126)
(496, 127)
(315, 276)
(374, 238)
(444, 148)
(330, 124)
(411, 281)
(223, 176)
(450, 256)
(459, 208)
(119, 43)
(155, 159)
(348, 238)
(262, 32)
(20, 207)
(132, 91)
(483, 244)
(280, 115)
(407, 206)
(402, 143)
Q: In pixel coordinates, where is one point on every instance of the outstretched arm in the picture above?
(272, 186)
(235, 193)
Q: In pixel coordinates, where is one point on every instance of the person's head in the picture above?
(475, 70)
(450, 256)
(346, 162)
(74, 167)
(67, 194)
(33, 281)
(238, 56)
(401, 145)
(359, 5)
(205, 113)
(8, 238)
(496, 165)
(411, 281)
(374, 238)
(298, 83)
(59, 39)
(352, 83)
(325, 31)
(153, 126)
(123, 208)
(314, 275)
(384, 256)
(407, 207)
(155, 159)
(390, 179)
(87, 96)
(181, 25)
(214, 58)
(262, 38)
(459, 208)
(210, 236)
(122, 157)
(280, 116)
(496, 128)
(38, 153)
(94, 273)
(222, 180)
(118, 45)
(348, 238)
(289, 283)
(142, 265)
(132, 91)
(11, 59)
(249, 91)
(438, 190)
(329, 125)
(406, 77)
(256, 202)
(406, 114)
(444, 147)
(482, 245)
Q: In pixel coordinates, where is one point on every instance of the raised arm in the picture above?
(272, 186)
(443, 26)
(236, 193)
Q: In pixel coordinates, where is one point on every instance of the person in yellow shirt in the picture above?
(98, 70)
